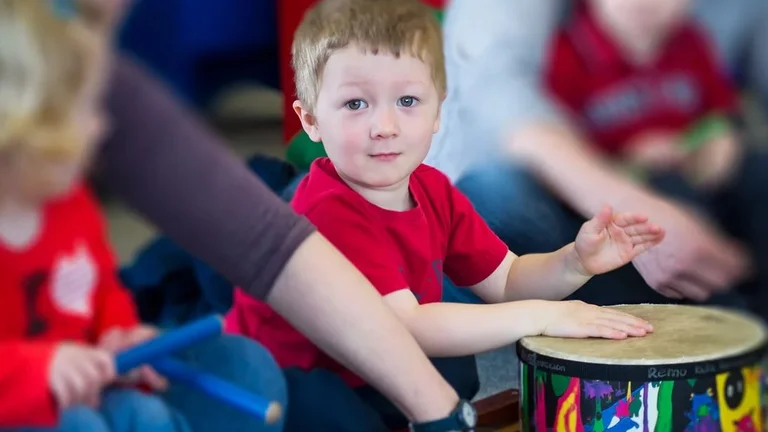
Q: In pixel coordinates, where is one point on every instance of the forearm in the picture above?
(332, 303)
(455, 329)
(518, 116)
(547, 276)
(580, 176)
(167, 165)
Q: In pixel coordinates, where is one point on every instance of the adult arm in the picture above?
(502, 70)
(174, 171)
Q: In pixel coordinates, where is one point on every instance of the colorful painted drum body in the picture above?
(699, 371)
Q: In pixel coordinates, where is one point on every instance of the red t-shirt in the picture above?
(394, 250)
(613, 100)
(63, 287)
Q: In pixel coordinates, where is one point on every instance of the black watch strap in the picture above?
(462, 419)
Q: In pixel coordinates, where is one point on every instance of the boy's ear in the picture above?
(308, 121)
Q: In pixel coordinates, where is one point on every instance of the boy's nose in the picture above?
(384, 124)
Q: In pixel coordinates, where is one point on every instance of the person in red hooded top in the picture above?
(64, 313)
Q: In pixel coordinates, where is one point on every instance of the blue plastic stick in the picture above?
(180, 373)
(168, 343)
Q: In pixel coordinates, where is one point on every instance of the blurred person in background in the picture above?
(524, 140)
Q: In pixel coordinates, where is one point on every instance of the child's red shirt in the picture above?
(613, 100)
(62, 287)
(394, 250)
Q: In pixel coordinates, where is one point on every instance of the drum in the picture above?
(700, 370)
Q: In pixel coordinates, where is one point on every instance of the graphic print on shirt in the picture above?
(73, 280)
(632, 100)
(33, 286)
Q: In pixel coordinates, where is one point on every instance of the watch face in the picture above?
(469, 414)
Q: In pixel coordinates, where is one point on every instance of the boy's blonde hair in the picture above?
(389, 26)
(49, 51)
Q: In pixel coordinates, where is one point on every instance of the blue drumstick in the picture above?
(178, 372)
(168, 343)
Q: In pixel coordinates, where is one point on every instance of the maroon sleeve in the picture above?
(168, 166)
(474, 250)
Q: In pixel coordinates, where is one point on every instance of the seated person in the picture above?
(644, 91)
(371, 79)
(655, 104)
(64, 313)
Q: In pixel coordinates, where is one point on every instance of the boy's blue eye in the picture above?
(406, 101)
(356, 104)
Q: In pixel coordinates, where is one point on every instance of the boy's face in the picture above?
(375, 115)
(639, 19)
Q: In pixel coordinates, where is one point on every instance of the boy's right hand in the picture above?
(576, 319)
(79, 373)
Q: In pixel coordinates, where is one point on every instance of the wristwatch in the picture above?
(463, 418)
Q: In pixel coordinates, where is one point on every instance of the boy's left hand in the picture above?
(119, 339)
(610, 240)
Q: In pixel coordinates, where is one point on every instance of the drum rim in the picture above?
(641, 372)
(700, 365)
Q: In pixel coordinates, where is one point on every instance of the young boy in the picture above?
(641, 80)
(64, 311)
(370, 78)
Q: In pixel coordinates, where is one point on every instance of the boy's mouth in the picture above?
(385, 157)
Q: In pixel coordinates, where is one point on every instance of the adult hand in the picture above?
(694, 261)
(713, 165)
(656, 151)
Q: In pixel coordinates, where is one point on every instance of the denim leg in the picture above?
(76, 419)
(530, 219)
(320, 401)
(240, 361)
(676, 187)
(130, 410)
(287, 193)
(743, 208)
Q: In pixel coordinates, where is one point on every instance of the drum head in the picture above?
(682, 334)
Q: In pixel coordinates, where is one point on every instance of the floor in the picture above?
(260, 109)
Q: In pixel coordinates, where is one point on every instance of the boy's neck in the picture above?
(395, 198)
(636, 51)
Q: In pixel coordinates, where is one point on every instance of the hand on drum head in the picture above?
(576, 319)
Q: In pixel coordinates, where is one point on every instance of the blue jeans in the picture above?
(288, 191)
(233, 358)
(530, 219)
(123, 410)
(321, 402)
